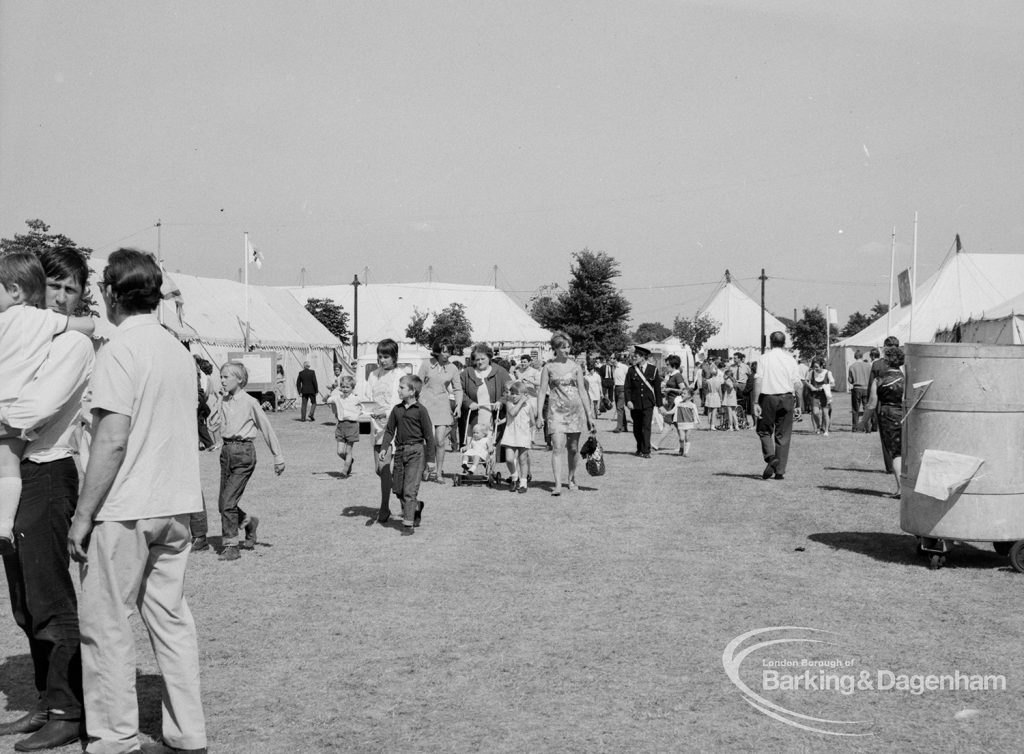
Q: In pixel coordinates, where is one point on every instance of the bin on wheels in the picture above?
(974, 406)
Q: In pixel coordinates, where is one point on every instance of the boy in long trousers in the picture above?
(242, 420)
(412, 431)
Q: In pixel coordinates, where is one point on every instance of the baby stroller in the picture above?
(491, 475)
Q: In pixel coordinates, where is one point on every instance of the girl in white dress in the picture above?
(520, 414)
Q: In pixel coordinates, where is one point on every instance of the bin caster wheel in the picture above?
(935, 562)
(1002, 548)
(1017, 556)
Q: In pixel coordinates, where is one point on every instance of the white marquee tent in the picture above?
(965, 286)
(213, 318)
(385, 310)
(1002, 325)
(740, 317)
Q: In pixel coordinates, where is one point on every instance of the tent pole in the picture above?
(892, 274)
(245, 288)
(913, 284)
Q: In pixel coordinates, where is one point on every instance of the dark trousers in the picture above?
(42, 594)
(886, 455)
(198, 526)
(775, 427)
(620, 409)
(405, 478)
(642, 418)
(237, 462)
(308, 399)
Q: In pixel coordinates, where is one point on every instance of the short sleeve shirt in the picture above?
(25, 336)
(147, 375)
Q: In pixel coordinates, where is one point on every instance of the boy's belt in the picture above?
(237, 439)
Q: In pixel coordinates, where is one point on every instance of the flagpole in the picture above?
(892, 275)
(913, 284)
(245, 265)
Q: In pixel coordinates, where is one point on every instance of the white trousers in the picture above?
(138, 564)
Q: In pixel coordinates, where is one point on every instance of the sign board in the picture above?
(906, 291)
(262, 368)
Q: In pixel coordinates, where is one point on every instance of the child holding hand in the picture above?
(520, 414)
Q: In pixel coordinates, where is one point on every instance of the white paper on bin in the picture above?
(944, 473)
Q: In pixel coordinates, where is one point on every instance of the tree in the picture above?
(592, 311)
(331, 316)
(651, 331)
(858, 321)
(449, 324)
(39, 239)
(809, 334)
(695, 331)
(543, 303)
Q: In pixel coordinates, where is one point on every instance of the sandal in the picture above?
(573, 487)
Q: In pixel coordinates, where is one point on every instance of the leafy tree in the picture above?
(651, 331)
(449, 324)
(809, 334)
(591, 310)
(859, 321)
(543, 303)
(696, 331)
(331, 316)
(39, 239)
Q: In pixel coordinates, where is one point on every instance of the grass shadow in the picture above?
(852, 468)
(901, 549)
(149, 689)
(16, 684)
(738, 476)
(332, 474)
(854, 490)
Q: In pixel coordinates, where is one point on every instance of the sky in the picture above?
(404, 141)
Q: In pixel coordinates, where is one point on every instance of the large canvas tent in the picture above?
(964, 286)
(213, 318)
(385, 310)
(1002, 325)
(740, 317)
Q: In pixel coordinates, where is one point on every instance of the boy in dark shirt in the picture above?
(411, 428)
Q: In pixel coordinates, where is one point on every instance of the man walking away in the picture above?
(305, 385)
(774, 397)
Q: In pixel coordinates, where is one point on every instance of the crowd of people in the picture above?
(126, 414)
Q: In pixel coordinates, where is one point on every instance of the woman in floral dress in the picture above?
(568, 409)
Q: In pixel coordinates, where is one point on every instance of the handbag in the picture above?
(657, 421)
(606, 405)
(595, 460)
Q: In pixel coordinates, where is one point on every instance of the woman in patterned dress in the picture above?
(568, 409)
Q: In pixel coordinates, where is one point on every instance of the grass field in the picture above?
(592, 622)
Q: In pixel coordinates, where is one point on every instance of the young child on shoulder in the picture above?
(520, 413)
(412, 431)
(345, 404)
(242, 420)
(26, 333)
(478, 448)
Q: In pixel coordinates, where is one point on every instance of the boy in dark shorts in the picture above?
(410, 427)
(346, 410)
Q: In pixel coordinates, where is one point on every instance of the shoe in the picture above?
(250, 527)
(522, 489)
(383, 521)
(645, 455)
(407, 530)
(825, 433)
(27, 723)
(7, 546)
(230, 553)
(573, 487)
(418, 515)
(769, 469)
(779, 476)
(200, 543)
(616, 431)
(54, 734)
(556, 493)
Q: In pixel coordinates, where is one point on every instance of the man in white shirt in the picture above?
(774, 399)
(42, 594)
(141, 484)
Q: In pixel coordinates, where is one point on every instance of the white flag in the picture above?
(253, 255)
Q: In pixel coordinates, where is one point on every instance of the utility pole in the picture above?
(302, 277)
(762, 279)
(430, 274)
(355, 321)
(495, 276)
